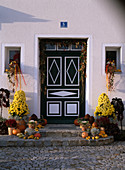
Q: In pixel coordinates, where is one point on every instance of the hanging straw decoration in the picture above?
(110, 70)
(15, 71)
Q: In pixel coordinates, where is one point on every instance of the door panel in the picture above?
(54, 71)
(71, 71)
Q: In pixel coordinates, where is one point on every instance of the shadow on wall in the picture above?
(90, 109)
(121, 81)
(30, 70)
(8, 15)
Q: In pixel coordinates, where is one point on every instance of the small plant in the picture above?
(112, 129)
(103, 121)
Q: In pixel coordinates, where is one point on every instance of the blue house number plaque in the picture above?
(63, 24)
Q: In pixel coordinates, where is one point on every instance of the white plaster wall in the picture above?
(103, 20)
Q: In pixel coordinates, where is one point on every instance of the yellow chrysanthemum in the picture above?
(19, 106)
(104, 107)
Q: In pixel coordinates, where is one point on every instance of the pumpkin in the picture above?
(91, 119)
(84, 134)
(16, 131)
(83, 128)
(37, 135)
(21, 125)
(45, 122)
(29, 131)
(76, 122)
(95, 124)
(22, 128)
(87, 116)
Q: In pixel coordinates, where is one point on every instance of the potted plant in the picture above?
(11, 124)
(19, 109)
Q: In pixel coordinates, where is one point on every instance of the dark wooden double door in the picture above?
(62, 102)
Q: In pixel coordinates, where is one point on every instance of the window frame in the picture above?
(119, 52)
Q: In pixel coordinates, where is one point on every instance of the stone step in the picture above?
(55, 135)
(14, 141)
(61, 130)
(60, 133)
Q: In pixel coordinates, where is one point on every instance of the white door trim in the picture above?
(88, 90)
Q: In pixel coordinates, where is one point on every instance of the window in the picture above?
(114, 53)
(113, 56)
(12, 52)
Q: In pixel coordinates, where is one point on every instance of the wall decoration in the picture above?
(4, 98)
(110, 70)
(14, 74)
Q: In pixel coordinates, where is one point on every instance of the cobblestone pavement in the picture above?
(79, 157)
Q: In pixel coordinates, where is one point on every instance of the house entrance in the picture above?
(60, 95)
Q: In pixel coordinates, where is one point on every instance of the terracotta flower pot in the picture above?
(10, 130)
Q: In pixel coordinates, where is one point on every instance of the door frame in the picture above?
(88, 87)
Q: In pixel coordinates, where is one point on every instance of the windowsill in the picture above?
(118, 72)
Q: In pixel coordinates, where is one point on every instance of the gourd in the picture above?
(84, 134)
(21, 125)
(37, 135)
(87, 116)
(16, 131)
(29, 131)
(91, 119)
(45, 122)
(94, 125)
(76, 122)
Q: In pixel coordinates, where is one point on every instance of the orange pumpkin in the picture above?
(87, 116)
(95, 124)
(21, 125)
(83, 128)
(15, 131)
(22, 128)
(45, 122)
(37, 135)
(76, 122)
(84, 134)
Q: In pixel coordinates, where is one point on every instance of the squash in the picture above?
(76, 122)
(94, 124)
(29, 131)
(22, 128)
(37, 135)
(45, 122)
(87, 116)
(84, 134)
(16, 131)
(21, 125)
(83, 128)
(91, 120)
